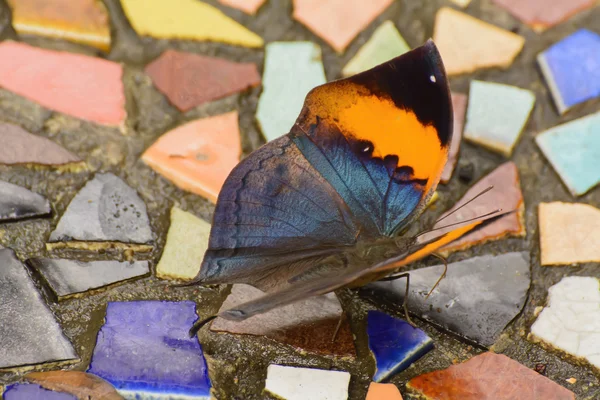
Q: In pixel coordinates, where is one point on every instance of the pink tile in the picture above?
(247, 6)
(338, 21)
(81, 86)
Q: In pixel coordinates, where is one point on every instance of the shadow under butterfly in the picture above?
(323, 207)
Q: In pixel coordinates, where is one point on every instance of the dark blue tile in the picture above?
(29, 391)
(144, 350)
(395, 344)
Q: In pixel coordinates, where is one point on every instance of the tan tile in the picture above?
(247, 6)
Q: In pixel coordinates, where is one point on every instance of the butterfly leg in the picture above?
(441, 276)
(405, 301)
(339, 325)
(199, 324)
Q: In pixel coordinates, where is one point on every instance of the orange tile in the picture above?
(247, 6)
(383, 391)
(81, 21)
(199, 155)
(338, 21)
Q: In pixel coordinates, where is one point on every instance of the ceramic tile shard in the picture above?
(383, 391)
(199, 155)
(79, 384)
(283, 93)
(29, 391)
(454, 33)
(144, 351)
(187, 20)
(25, 318)
(187, 241)
(189, 80)
(497, 115)
(385, 44)
(308, 325)
(505, 195)
(488, 376)
(541, 15)
(338, 22)
(247, 6)
(570, 68)
(105, 210)
(84, 22)
(459, 105)
(293, 383)
(80, 86)
(394, 343)
(571, 320)
(476, 300)
(461, 3)
(16, 203)
(71, 277)
(569, 233)
(22, 147)
(573, 149)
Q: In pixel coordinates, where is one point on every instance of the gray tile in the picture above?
(16, 202)
(68, 277)
(29, 334)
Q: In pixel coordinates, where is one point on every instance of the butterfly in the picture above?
(324, 206)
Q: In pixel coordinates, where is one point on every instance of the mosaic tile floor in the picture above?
(118, 127)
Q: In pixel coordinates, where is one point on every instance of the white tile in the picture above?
(293, 383)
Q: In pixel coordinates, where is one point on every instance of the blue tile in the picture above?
(395, 344)
(573, 149)
(144, 350)
(27, 391)
(572, 69)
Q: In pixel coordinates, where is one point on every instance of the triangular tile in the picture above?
(476, 299)
(189, 80)
(497, 115)
(16, 203)
(569, 233)
(454, 33)
(539, 15)
(83, 21)
(385, 44)
(459, 105)
(308, 325)
(338, 21)
(187, 20)
(294, 383)
(105, 210)
(22, 147)
(187, 241)
(394, 343)
(283, 93)
(199, 155)
(84, 87)
(247, 6)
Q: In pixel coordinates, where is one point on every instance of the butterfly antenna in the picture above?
(460, 222)
(484, 191)
(199, 324)
(441, 276)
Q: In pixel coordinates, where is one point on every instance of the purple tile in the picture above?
(144, 350)
(30, 391)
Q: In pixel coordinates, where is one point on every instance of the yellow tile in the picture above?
(187, 19)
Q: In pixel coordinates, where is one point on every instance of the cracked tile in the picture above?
(199, 155)
(569, 233)
(105, 210)
(283, 94)
(187, 241)
(488, 376)
(25, 318)
(17, 202)
(476, 300)
(247, 6)
(83, 87)
(83, 21)
(497, 115)
(79, 384)
(385, 43)
(570, 68)
(338, 22)
(189, 80)
(395, 344)
(573, 149)
(187, 20)
(454, 32)
(71, 277)
(295, 383)
(307, 325)
(459, 105)
(570, 322)
(144, 351)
